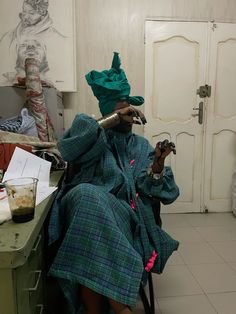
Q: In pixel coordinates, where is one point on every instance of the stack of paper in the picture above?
(25, 164)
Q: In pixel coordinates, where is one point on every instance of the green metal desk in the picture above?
(21, 260)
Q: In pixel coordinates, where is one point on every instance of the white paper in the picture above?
(43, 192)
(25, 164)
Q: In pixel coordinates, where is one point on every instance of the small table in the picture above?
(22, 272)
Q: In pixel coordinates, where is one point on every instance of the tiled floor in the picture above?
(201, 276)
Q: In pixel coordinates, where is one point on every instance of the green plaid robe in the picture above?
(107, 243)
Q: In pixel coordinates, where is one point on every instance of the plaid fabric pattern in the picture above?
(106, 244)
(11, 125)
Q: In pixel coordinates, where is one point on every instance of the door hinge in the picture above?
(204, 91)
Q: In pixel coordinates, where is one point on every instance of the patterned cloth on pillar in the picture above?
(36, 101)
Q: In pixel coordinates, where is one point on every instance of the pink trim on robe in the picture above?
(151, 261)
(132, 162)
(132, 204)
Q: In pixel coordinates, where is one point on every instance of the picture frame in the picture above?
(42, 29)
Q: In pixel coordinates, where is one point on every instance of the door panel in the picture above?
(175, 67)
(181, 56)
(220, 149)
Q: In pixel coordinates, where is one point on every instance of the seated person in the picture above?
(104, 216)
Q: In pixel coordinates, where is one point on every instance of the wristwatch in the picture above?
(155, 176)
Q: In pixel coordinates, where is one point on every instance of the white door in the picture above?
(220, 146)
(175, 67)
(181, 57)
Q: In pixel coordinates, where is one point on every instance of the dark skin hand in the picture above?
(162, 150)
(129, 113)
(128, 116)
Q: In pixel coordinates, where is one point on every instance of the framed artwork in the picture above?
(42, 29)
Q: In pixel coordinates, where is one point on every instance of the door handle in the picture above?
(200, 112)
(38, 273)
(39, 309)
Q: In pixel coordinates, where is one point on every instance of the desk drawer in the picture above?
(29, 282)
(39, 309)
(36, 294)
(35, 259)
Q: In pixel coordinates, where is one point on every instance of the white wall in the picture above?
(104, 26)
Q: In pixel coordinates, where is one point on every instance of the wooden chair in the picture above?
(148, 302)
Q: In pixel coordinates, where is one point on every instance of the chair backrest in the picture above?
(156, 208)
(71, 171)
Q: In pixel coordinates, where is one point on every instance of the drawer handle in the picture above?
(34, 249)
(38, 272)
(39, 309)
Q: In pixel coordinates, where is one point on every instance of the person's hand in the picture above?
(131, 115)
(162, 150)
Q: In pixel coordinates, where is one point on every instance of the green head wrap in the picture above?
(109, 86)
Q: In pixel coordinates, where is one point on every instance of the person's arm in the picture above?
(109, 121)
(163, 188)
(84, 142)
(124, 115)
(157, 181)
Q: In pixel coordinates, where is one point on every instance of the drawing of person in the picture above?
(28, 48)
(35, 22)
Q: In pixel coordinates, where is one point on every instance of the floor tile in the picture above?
(226, 249)
(185, 234)
(199, 253)
(195, 304)
(140, 310)
(217, 233)
(175, 259)
(204, 263)
(210, 219)
(214, 278)
(174, 220)
(224, 303)
(176, 280)
(233, 266)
